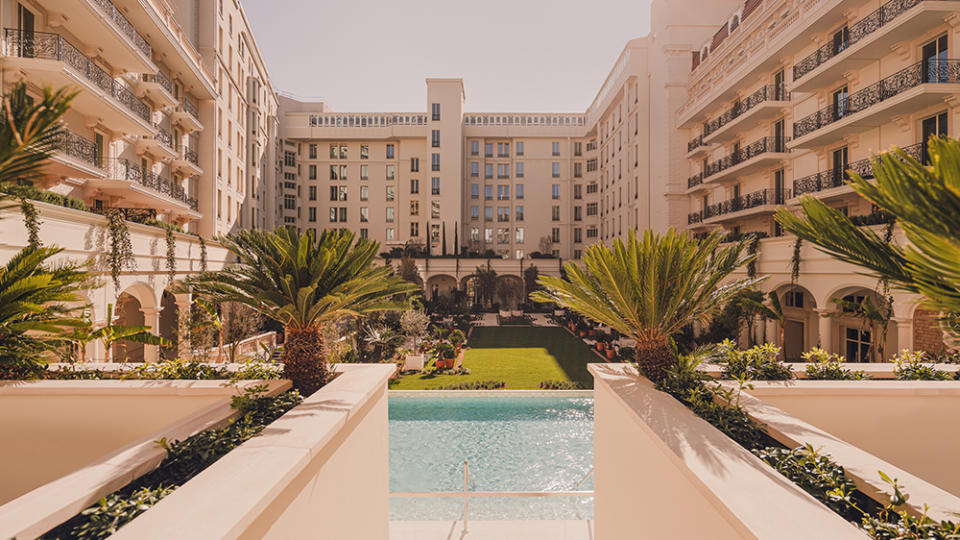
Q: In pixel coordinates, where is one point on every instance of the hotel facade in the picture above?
(725, 112)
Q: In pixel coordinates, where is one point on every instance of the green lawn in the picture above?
(520, 356)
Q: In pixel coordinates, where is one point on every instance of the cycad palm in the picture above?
(33, 309)
(304, 283)
(650, 288)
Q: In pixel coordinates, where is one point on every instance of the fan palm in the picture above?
(925, 200)
(30, 130)
(84, 332)
(34, 314)
(304, 283)
(649, 288)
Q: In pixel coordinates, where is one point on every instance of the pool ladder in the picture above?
(467, 494)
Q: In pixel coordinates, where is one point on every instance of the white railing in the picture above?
(466, 494)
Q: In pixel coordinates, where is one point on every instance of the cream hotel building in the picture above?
(726, 111)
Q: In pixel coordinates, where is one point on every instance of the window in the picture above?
(312, 172)
(577, 149)
(592, 232)
(488, 170)
(343, 151)
(289, 159)
(414, 208)
(334, 151)
(488, 213)
(390, 214)
(518, 192)
(474, 148)
(313, 193)
(555, 192)
(474, 169)
(435, 185)
(435, 162)
(793, 299)
(475, 191)
(389, 153)
(578, 213)
(518, 254)
(578, 235)
(364, 214)
(390, 172)
(435, 111)
(503, 170)
(592, 209)
(488, 234)
(488, 150)
(414, 164)
(931, 127)
(555, 213)
(334, 193)
(390, 193)
(414, 186)
(503, 193)
(313, 151)
(364, 172)
(434, 233)
(519, 235)
(518, 212)
(312, 214)
(857, 345)
(503, 150)
(389, 234)
(555, 234)
(578, 170)
(519, 169)
(591, 187)
(364, 233)
(334, 172)
(519, 148)
(555, 169)
(555, 147)
(577, 191)
(364, 193)
(435, 138)
(333, 215)
(475, 213)
(503, 235)
(434, 209)
(475, 234)
(488, 193)
(364, 151)
(414, 229)
(503, 213)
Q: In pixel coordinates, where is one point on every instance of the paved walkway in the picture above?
(492, 530)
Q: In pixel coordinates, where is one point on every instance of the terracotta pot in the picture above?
(592, 333)
(582, 333)
(611, 354)
(600, 345)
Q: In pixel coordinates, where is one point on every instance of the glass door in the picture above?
(934, 61)
(25, 24)
(840, 102)
(932, 127)
(839, 166)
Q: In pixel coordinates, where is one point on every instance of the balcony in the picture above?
(158, 88)
(756, 154)
(758, 202)
(101, 25)
(135, 188)
(913, 88)
(695, 180)
(870, 39)
(187, 116)
(766, 103)
(76, 157)
(696, 146)
(187, 161)
(829, 181)
(49, 59)
(159, 145)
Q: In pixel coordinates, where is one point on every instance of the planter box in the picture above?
(319, 470)
(665, 473)
(68, 443)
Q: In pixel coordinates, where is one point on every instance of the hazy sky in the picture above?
(513, 55)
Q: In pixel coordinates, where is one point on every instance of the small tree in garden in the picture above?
(530, 276)
(485, 283)
(414, 324)
(649, 288)
(546, 245)
(304, 282)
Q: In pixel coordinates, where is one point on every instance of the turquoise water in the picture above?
(510, 443)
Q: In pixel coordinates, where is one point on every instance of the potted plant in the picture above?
(611, 353)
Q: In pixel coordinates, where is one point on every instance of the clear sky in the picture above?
(513, 55)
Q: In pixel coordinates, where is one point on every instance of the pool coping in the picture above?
(491, 393)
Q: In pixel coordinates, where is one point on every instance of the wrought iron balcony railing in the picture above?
(79, 147)
(190, 108)
(832, 178)
(752, 150)
(930, 72)
(163, 135)
(48, 46)
(126, 28)
(744, 202)
(742, 106)
(189, 154)
(695, 143)
(694, 217)
(160, 79)
(861, 29)
(695, 180)
(124, 169)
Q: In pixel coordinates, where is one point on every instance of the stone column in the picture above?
(826, 330)
(151, 319)
(184, 350)
(904, 336)
(772, 329)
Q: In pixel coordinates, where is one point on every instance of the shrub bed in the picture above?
(473, 385)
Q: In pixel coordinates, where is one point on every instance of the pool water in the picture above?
(510, 443)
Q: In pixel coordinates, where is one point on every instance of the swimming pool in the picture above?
(511, 444)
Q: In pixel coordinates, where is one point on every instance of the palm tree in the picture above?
(485, 283)
(650, 288)
(84, 333)
(304, 282)
(925, 201)
(34, 315)
(30, 130)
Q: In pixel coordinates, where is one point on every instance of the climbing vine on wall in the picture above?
(31, 220)
(121, 249)
(752, 248)
(171, 253)
(203, 254)
(795, 261)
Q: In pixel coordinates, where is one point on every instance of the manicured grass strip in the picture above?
(520, 356)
